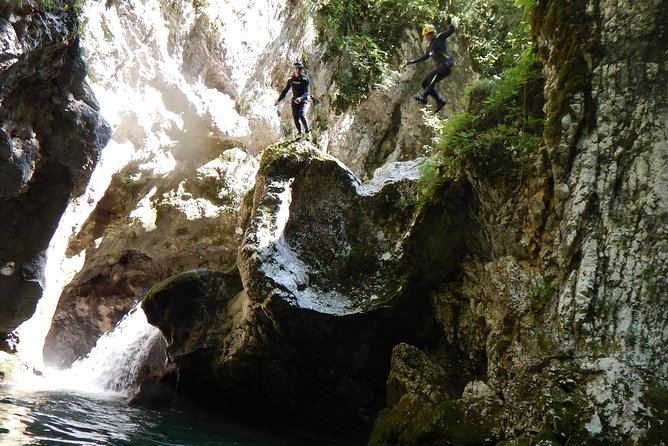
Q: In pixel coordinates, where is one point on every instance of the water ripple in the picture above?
(66, 418)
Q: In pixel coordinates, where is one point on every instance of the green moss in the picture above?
(452, 424)
(568, 414)
(566, 26)
(444, 424)
(284, 157)
(656, 400)
(184, 279)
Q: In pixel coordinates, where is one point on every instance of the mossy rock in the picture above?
(286, 157)
(187, 308)
(409, 424)
(656, 399)
(184, 280)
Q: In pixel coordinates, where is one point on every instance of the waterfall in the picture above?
(117, 363)
(121, 358)
(59, 269)
(167, 76)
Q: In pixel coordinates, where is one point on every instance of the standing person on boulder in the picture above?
(443, 63)
(300, 95)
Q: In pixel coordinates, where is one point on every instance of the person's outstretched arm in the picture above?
(422, 58)
(447, 33)
(284, 92)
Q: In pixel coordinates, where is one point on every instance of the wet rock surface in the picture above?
(321, 237)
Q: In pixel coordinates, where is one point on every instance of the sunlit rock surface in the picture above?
(51, 135)
(320, 238)
(189, 95)
(181, 84)
(168, 223)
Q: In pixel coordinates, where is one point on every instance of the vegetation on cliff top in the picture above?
(500, 132)
(48, 5)
(367, 37)
(501, 129)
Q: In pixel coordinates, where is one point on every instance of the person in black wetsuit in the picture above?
(300, 85)
(443, 62)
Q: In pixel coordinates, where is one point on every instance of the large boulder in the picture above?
(50, 137)
(326, 295)
(193, 310)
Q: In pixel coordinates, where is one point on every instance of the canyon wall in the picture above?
(51, 135)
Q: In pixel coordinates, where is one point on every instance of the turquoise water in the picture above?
(68, 418)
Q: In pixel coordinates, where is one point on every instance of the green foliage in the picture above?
(654, 284)
(497, 30)
(363, 67)
(53, 6)
(363, 35)
(430, 180)
(544, 292)
(501, 129)
(569, 412)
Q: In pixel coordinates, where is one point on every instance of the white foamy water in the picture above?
(59, 269)
(116, 363)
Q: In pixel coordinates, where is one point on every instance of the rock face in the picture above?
(146, 227)
(563, 289)
(309, 235)
(389, 125)
(50, 137)
(305, 341)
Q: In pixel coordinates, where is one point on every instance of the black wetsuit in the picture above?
(443, 62)
(300, 95)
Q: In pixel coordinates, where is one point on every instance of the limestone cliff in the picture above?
(400, 305)
(563, 292)
(51, 135)
(325, 288)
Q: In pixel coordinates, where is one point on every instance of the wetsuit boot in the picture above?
(420, 98)
(440, 104)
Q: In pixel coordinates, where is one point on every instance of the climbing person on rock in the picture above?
(300, 95)
(443, 63)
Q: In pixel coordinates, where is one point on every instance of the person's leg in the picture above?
(303, 108)
(426, 85)
(295, 117)
(430, 81)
